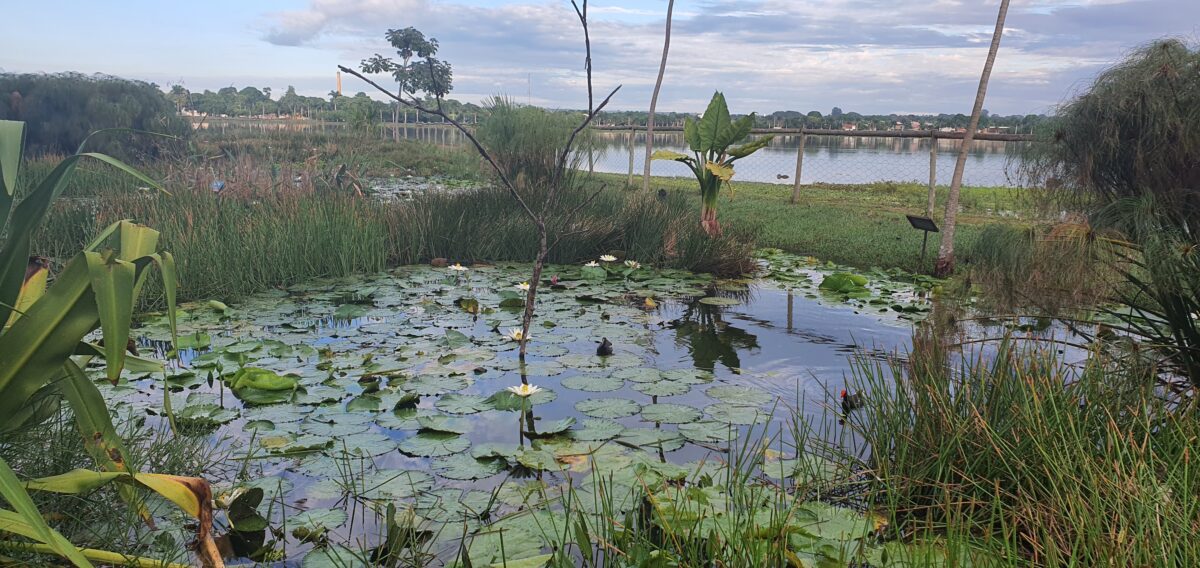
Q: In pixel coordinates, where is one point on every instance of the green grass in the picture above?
(857, 225)
(238, 243)
(1055, 465)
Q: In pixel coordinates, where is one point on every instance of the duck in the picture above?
(852, 401)
(605, 348)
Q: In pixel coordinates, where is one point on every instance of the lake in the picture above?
(827, 159)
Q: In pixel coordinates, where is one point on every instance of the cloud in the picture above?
(865, 55)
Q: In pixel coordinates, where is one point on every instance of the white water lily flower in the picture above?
(457, 267)
(608, 258)
(523, 286)
(524, 390)
(633, 264)
(592, 264)
(515, 334)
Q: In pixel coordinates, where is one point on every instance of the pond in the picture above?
(341, 397)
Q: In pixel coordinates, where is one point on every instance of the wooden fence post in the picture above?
(632, 132)
(933, 148)
(799, 168)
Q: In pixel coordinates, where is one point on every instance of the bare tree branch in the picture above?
(415, 104)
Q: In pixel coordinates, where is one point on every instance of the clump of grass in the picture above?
(1058, 269)
(1058, 466)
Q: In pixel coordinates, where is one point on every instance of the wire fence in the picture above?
(811, 156)
(830, 157)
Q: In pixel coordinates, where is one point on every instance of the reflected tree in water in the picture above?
(709, 338)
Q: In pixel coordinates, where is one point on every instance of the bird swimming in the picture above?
(851, 401)
(605, 348)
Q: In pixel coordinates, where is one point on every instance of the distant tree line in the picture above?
(358, 109)
(836, 120)
(64, 108)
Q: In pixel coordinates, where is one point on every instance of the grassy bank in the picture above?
(230, 245)
(856, 225)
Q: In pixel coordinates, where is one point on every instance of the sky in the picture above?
(869, 56)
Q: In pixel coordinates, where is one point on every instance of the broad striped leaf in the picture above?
(113, 287)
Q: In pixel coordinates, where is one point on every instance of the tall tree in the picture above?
(945, 260)
(662, 69)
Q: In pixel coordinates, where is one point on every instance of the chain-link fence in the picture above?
(829, 157)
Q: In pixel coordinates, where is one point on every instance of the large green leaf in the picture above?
(737, 131)
(691, 134)
(93, 421)
(33, 350)
(112, 286)
(12, 138)
(739, 152)
(714, 124)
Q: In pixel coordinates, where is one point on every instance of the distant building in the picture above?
(915, 125)
(849, 126)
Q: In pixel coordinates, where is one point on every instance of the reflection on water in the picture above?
(827, 159)
(704, 333)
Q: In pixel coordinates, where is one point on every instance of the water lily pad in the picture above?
(335, 556)
(332, 427)
(652, 438)
(742, 415)
(719, 301)
(463, 403)
(507, 401)
(206, 415)
(708, 432)
(363, 444)
(736, 394)
(314, 519)
(394, 484)
(608, 407)
(433, 385)
(835, 523)
(552, 428)
(253, 385)
(434, 444)
(806, 468)
(364, 403)
(593, 383)
(639, 374)
(670, 413)
(440, 423)
(598, 429)
(663, 388)
(467, 467)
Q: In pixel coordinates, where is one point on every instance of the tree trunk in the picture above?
(945, 261)
(662, 69)
(531, 296)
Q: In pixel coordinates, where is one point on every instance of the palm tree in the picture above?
(945, 260)
(662, 69)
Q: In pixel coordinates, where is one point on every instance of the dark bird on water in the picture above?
(605, 348)
(851, 401)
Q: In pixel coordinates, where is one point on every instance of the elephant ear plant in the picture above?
(711, 140)
(43, 352)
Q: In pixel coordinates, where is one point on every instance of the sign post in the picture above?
(926, 225)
